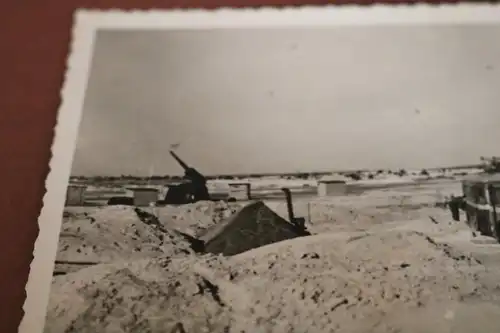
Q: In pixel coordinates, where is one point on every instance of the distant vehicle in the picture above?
(480, 202)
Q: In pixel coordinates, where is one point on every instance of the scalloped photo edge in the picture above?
(87, 22)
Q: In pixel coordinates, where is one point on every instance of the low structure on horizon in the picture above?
(75, 195)
(240, 190)
(332, 186)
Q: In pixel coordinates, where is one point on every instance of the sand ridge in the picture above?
(315, 283)
(364, 269)
(115, 232)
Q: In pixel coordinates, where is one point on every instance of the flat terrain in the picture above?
(386, 259)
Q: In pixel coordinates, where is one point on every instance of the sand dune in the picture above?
(388, 261)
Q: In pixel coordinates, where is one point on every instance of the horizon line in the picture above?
(270, 174)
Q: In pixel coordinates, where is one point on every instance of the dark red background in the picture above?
(34, 40)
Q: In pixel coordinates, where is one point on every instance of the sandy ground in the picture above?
(384, 261)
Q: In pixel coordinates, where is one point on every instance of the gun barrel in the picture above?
(178, 159)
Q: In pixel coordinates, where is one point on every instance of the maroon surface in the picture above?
(34, 39)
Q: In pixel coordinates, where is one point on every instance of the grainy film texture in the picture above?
(337, 179)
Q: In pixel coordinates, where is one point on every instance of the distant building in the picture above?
(332, 187)
(240, 191)
(75, 195)
(144, 196)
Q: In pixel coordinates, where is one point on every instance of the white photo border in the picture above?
(87, 22)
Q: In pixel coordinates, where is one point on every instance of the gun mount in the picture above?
(193, 188)
(197, 188)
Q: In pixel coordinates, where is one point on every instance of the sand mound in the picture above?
(72, 213)
(116, 232)
(324, 217)
(322, 283)
(195, 218)
(142, 296)
(358, 218)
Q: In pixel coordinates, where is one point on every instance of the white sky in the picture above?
(287, 100)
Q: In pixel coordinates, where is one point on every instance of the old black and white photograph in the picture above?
(282, 179)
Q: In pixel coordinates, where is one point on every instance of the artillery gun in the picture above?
(193, 188)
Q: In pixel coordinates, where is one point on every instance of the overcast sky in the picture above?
(287, 100)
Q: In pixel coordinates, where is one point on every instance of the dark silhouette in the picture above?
(455, 204)
(191, 188)
(354, 175)
(298, 222)
(490, 164)
(197, 189)
(126, 201)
